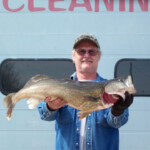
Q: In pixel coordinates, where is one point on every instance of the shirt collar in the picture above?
(98, 79)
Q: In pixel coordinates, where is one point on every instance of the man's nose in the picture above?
(87, 54)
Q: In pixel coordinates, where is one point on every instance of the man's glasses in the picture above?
(91, 52)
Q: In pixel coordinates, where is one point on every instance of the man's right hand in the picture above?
(54, 104)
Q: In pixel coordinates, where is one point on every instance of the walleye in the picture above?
(85, 96)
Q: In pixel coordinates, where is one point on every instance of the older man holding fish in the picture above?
(98, 130)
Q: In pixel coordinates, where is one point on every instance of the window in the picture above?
(139, 69)
(14, 73)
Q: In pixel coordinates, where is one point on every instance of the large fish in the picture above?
(85, 96)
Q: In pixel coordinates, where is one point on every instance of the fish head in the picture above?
(118, 87)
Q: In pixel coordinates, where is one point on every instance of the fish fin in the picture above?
(83, 114)
(10, 104)
(69, 80)
(91, 98)
(36, 79)
(33, 102)
(130, 85)
(73, 81)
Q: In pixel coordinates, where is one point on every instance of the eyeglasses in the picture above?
(91, 52)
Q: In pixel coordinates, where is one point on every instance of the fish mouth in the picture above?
(110, 98)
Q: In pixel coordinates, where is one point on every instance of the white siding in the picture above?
(48, 34)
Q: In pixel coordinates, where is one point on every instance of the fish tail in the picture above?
(10, 104)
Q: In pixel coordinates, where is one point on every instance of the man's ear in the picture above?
(99, 58)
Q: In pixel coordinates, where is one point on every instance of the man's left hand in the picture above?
(119, 107)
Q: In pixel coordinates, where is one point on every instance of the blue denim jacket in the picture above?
(101, 126)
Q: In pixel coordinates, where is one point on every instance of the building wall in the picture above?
(47, 29)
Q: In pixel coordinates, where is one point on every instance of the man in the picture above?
(98, 131)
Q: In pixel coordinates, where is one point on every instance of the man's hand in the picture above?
(119, 107)
(54, 104)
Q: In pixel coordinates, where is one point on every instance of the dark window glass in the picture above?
(139, 69)
(14, 73)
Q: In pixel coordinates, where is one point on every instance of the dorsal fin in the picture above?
(68, 80)
(36, 79)
(74, 81)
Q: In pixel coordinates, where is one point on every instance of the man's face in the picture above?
(86, 62)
